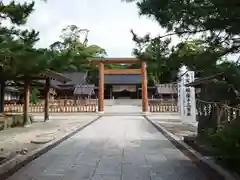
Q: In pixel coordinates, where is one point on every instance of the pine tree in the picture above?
(17, 46)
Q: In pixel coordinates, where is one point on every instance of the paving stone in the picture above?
(113, 148)
(79, 172)
(105, 177)
(135, 171)
(50, 177)
(21, 176)
(156, 176)
(111, 159)
(108, 169)
(155, 158)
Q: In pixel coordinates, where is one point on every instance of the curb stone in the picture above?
(10, 167)
(206, 164)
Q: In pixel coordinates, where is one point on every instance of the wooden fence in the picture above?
(213, 116)
(159, 106)
(63, 102)
(38, 108)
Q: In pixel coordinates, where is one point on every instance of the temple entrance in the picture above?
(122, 95)
(123, 90)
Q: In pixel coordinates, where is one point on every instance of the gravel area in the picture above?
(22, 140)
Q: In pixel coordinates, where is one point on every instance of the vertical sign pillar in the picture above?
(144, 87)
(187, 102)
(101, 88)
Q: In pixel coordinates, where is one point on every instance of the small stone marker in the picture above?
(43, 139)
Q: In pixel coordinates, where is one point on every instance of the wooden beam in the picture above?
(122, 71)
(115, 61)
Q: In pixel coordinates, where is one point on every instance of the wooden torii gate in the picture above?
(142, 71)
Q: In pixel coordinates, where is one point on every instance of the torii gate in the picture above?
(142, 71)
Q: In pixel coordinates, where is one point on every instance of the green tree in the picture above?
(16, 12)
(72, 51)
(18, 56)
(35, 60)
(216, 21)
(198, 56)
(17, 52)
(204, 20)
(164, 60)
(156, 52)
(34, 96)
(13, 39)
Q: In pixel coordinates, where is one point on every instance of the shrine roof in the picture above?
(75, 79)
(11, 89)
(87, 89)
(53, 75)
(122, 79)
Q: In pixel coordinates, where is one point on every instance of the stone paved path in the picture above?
(175, 126)
(113, 148)
(129, 109)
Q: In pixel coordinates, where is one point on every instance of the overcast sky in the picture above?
(109, 22)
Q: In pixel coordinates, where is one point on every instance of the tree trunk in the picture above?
(46, 102)
(26, 119)
(2, 93)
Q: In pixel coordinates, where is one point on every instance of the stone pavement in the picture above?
(175, 125)
(113, 148)
(22, 140)
(123, 109)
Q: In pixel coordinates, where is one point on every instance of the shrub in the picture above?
(226, 145)
(34, 96)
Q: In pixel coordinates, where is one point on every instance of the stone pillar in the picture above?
(46, 102)
(144, 87)
(101, 88)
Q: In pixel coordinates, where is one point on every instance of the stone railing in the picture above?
(158, 106)
(39, 108)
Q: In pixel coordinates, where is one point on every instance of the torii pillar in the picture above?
(144, 87)
(101, 88)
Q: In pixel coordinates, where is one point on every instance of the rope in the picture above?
(208, 102)
(225, 106)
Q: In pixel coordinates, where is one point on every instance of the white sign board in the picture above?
(186, 98)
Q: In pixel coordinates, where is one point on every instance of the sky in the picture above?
(109, 23)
